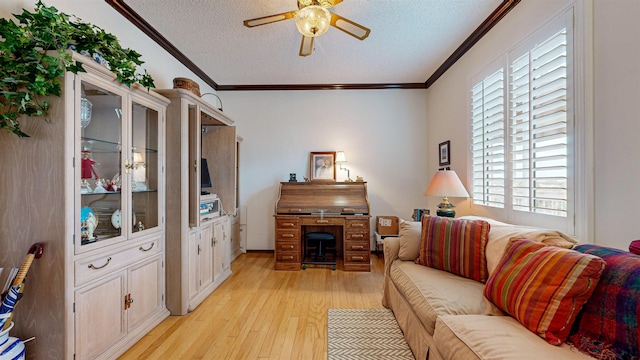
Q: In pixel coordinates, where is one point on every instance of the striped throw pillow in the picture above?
(455, 245)
(543, 287)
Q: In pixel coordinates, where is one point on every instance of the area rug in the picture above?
(355, 334)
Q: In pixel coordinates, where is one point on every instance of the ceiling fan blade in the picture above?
(306, 46)
(269, 19)
(356, 30)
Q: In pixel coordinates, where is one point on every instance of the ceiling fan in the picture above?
(312, 20)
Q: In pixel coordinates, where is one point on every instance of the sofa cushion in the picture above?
(543, 287)
(432, 293)
(494, 337)
(455, 245)
(607, 326)
(410, 238)
(501, 233)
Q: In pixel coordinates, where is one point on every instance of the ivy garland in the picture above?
(34, 57)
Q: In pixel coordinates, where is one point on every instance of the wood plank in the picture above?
(260, 313)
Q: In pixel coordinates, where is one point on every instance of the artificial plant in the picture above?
(34, 56)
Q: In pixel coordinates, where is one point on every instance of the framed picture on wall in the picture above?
(445, 153)
(322, 166)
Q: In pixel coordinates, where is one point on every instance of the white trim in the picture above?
(584, 122)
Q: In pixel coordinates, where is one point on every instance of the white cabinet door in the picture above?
(194, 251)
(146, 290)
(218, 251)
(100, 320)
(206, 255)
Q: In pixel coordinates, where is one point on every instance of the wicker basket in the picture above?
(187, 84)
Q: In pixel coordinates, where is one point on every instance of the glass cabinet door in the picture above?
(101, 201)
(144, 168)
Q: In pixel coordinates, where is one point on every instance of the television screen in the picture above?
(205, 178)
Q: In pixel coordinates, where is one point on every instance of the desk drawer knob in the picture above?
(288, 225)
(322, 221)
(286, 247)
(289, 257)
(357, 236)
(287, 235)
(357, 247)
(358, 225)
(357, 258)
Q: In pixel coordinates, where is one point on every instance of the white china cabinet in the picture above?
(90, 186)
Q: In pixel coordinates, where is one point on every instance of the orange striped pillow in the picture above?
(455, 245)
(543, 287)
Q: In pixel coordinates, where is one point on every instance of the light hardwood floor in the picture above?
(260, 313)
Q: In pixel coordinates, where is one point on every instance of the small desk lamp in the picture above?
(340, 159)
(446, 183)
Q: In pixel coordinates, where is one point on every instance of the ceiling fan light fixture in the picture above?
(313, 20)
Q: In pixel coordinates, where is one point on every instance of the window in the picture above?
(521, 121)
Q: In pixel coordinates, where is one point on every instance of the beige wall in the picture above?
(381, 132)
(617, 121)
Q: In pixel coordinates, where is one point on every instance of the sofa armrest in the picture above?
(391, 250)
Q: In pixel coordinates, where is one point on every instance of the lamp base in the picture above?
(446, 213)
(445, 208)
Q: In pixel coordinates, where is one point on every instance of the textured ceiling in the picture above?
(409, 39)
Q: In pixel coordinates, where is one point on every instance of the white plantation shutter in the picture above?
(522, 131)
(538, 128)
(488, 140)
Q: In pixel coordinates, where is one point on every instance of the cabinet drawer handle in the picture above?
(287, 257)
(322, 221)
(150, 247)
(357, 258)
(91, 266)
(357, 247)
(357, 225)
(288, 225)
(357, 236)
(286, 247)
(287, 235)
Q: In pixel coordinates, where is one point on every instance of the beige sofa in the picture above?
(445, 316)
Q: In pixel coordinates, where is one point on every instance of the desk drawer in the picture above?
(286, 223)
(287, 246)
(287, 257)
(357, 224)
(359, 235)
(356, 257)
(323, 221)
(357, 246)
(287, 235)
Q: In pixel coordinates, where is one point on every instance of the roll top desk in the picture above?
(341, 208)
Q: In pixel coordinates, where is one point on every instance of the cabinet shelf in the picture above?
(107, 147)
(118, 192)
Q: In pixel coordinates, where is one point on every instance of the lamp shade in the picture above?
(313, 20)
(341, 157)
(446, 184)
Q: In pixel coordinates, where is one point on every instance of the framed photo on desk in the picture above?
(322, 166)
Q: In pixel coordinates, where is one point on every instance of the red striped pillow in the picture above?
(455, 245)
(543, 287)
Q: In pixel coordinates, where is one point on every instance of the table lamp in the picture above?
(341, 158)
(446, 183)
